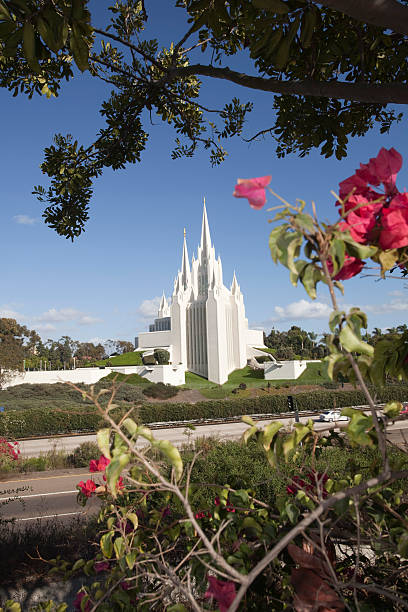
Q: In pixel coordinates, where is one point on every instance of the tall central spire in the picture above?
(205, 233)
(185, 265)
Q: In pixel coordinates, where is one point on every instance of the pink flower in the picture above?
(361, 222)
(99, 465)
(252, 189)
(101, 566)
(351, 267)
(78, 600)
(223, 592)
(87, 488)
(385, 167)
(394, 221)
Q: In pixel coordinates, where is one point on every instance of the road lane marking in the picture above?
(36, 518)
(17, 497)
(2, 482)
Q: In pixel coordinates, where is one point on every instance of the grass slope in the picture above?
(315, 373)
(126, 359)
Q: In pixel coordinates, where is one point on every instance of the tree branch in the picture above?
(388, 14)
(370, 93)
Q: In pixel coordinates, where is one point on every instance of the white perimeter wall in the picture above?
(290, 370)
(168, 374)
(254, 337)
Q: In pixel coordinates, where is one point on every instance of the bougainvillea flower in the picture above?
(386, 166)
(101, 566)
(223, 592)
(87, 488)
(99, 465)
(78, 601)
(361, 222)
(352, 185)
(394, 222)
(351, 267)
(253, 189)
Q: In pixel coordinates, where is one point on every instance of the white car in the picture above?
(333, 415)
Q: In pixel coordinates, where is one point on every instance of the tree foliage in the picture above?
(332, 69)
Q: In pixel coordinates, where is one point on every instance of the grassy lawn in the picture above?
(126, 359)
(315, 373)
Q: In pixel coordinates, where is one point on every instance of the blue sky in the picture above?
(106, 283)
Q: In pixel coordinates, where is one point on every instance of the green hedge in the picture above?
(31, 422)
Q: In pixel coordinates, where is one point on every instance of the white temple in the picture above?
(204, 327)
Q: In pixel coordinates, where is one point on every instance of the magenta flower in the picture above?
(99, 465)
(394, 232)
(86, 488)
(223, 592)
(253, 189)
(78, 600)
(351, 267)
(101, 566)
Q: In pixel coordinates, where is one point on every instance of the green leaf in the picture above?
(4, 12)
(269, 432)
(335, 318)
(305, 222)
(119, 547)
(388, 259)
(308, 280)
(78, 564)
(292, 512)
(249, 433)
(133, 518)
(131, 426)
(103, 440)
(80, 50)
(358, 427)
(250, 523)
(29, 47)
(361, 251)
(131, 559)
(248, 420)
(337, 253)
(275, 6)
(352, 343)
(114, 470)
(177, 608)
(106, 544)
(172, 454)
(392, 409)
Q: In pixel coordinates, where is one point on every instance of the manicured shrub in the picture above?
(83, 454)
(162, 356)
(160, 391)
(32, 422)
(149, 360)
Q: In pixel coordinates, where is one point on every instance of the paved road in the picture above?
(44, 496)
(177, 435)
(48, 495)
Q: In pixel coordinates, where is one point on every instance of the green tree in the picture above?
(12, 350)
(332, 68)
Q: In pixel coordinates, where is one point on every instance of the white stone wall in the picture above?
(168, 374)
(254, 337)
(290, 370)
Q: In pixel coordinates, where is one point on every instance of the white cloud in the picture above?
(398, 293)
(67, 314)
(24, 220)
(8, 313)
(45, 327)
(393, 306)
(302, 310)
(148, 309)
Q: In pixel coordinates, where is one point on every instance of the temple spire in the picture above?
(185, 265)
(205, 233)
(234, 286)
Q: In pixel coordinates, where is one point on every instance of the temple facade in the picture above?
(203, 326)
